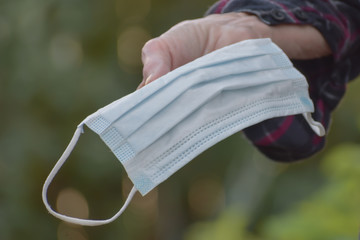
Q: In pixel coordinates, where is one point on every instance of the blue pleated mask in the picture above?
(159, 128)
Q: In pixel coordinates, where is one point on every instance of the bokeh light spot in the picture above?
(72, 203)
(130, 43)
(146, 205)
(206, 197)
(132, 11)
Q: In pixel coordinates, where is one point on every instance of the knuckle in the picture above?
(150, 44)
(150, 47)
(183, 24)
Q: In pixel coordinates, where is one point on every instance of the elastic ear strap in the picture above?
(55, 170)
(317, 127)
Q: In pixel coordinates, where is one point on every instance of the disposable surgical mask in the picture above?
(159, 128)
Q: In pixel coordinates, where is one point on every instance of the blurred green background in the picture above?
(62, 60)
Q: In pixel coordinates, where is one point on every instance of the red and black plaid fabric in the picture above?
(290, 138)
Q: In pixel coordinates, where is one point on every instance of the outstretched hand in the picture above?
(191, 39)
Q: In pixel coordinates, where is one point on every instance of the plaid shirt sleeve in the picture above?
(289, 138)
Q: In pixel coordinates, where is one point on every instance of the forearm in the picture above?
(288, 139)
(337, 21)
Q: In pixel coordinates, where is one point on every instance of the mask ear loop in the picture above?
(55, 170)
(317, 127)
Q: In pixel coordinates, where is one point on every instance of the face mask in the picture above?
(161, 127)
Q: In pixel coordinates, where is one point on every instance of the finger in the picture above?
(146, 81)
(156, 59)
(141, 85)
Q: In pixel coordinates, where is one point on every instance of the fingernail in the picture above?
(148, 79)
(140, 85)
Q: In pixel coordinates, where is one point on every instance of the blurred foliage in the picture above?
(62, 60)
(332, 212)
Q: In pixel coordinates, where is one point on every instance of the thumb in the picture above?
(156, 59)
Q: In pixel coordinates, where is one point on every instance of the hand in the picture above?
(189, 40)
